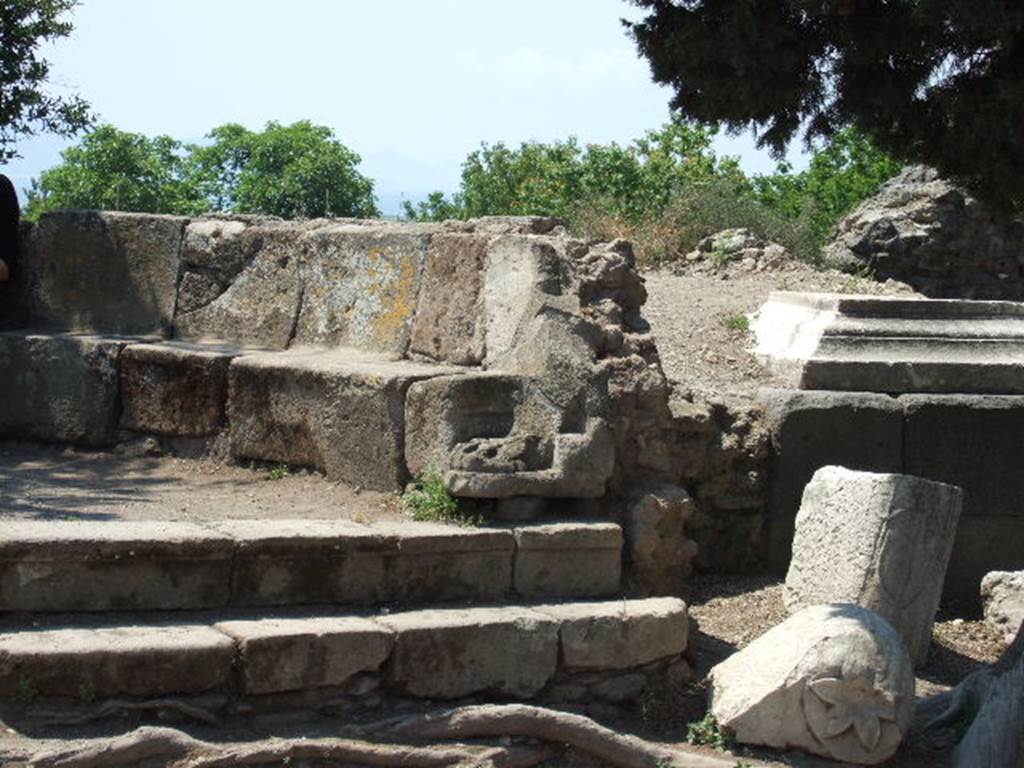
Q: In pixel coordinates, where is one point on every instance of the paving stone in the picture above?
(118, 661)
(89, 566)
(620, 634)
(294, 654)
(338, 411)
(449, 653)
(881, 541)
(59, 388)
(568, 560)
(175, 388)
(104, 271)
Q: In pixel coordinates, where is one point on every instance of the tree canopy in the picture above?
(933, 81)
(292, 171)
(26, 105)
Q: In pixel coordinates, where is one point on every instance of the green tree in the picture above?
(26, 106)
(849, 169)
(556, 179)
(293, 171)
(934, 81)
(117, 170)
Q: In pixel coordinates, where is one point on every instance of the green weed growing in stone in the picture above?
(428, 499)
(280, 472)
(25, 692)
(737, 323)
(707, 731)
(720, 257)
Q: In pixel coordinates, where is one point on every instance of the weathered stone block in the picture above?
(360, 285)
(659, 554)
(440, 562)
(1002, 597)
(118, 661)
(307, 562)
(568, 560)
(175, 388)
(103, 271)
(975, 442)
(60, 388)
(832, 680)
(449, 324)
(242, 286)
(448, 653)
(86, 566)
(447, 410)
(811, 430)
(332, 410)
(620, 635)
(295, 654)
(881, 541)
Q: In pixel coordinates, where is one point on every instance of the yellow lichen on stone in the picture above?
(397, 300)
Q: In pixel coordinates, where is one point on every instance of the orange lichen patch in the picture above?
(397, 297)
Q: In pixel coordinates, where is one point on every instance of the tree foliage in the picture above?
(26, 105)
(296, 171)
(117, 170)
(934, 81)
(634, 181)
(293, 171)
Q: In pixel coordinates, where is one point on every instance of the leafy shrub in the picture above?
(428, 499)
(707, 731)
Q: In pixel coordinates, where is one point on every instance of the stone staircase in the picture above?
(502, 355)
(308, 611)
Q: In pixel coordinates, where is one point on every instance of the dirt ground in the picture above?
(694, 316)
(45, 482)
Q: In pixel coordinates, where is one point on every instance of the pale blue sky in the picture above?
(411, 85)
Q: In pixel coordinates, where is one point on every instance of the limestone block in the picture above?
(116, 661)
(449, 324)
(577, 559)
(74, 565)
(620, 635)
(975, 442)
(103, 271)
(448, 653)
(813, 429)
(1002, 597)
(175, 388)
(338, 411)
(294, 654)
(256, 305)
(360, 286)
(447, 410)
(306, 562)
(568, 559)
(833, 680)
(442, 562)
(213, 252)
(60, 388)
(659, 554)
(881, 541)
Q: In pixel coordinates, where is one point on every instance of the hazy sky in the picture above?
(411, 85)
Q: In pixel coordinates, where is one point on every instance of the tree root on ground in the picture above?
(550, 727)
(120, 707)
(980, 719)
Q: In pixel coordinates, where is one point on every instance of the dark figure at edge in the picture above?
(9, 215)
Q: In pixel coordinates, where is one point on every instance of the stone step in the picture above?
(895, 346)
(69, 566)
(562, 651)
